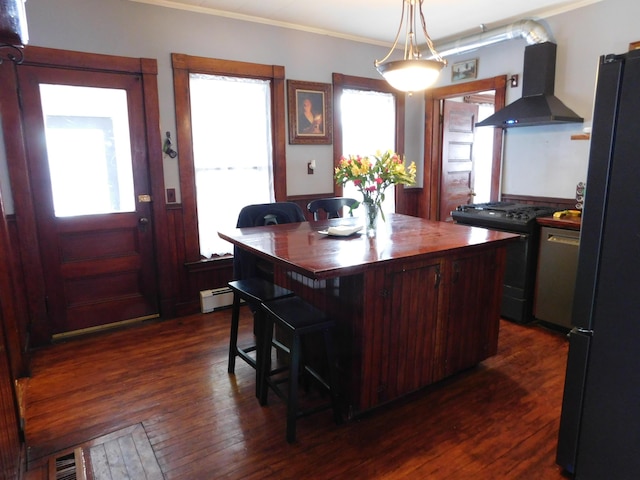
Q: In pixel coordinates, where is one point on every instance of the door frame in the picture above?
(21, 184)
(430, 199)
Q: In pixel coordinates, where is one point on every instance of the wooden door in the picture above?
(89, 169)
(458, 128)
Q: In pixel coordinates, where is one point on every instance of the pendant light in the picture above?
(412, 73)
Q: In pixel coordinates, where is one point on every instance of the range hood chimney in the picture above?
(538, 105)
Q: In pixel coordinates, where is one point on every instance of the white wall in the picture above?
(544, 161)
(120, 27)
(539, 161)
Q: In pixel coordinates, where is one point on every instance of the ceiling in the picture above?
(377, 21)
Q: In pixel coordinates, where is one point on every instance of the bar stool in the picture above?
(254, 291)
(297, 320)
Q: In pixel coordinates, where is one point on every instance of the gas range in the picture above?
(520, 271)
(510, 216)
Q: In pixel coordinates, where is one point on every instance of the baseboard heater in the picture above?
(215, 299)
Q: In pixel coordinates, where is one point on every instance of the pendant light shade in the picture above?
(412, 73)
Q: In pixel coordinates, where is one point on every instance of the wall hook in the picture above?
(166, 147)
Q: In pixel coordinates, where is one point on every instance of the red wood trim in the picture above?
(182, 66)
(279, 133)
(156, 174)
(185, 162)
(216, 66)
(430, 200)
(80, 60)
(28, 246)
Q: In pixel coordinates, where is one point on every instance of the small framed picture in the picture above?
(634, 46)
(466, 70)
(310, 113)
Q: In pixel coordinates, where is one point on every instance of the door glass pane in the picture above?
(88, 148)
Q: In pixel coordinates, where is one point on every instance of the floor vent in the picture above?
(215, 299)
(69, 466)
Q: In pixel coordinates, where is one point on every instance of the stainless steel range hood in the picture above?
(538, 105)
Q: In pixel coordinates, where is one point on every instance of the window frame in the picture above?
(342, 82)
(183, 66)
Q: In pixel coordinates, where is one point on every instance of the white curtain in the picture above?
(232, 151)
(368, 125)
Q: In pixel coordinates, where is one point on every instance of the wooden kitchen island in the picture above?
(414, 305)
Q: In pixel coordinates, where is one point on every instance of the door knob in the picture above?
(142, 224)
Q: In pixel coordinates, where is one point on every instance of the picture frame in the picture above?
(634, 46)
(467, 70)
(310, 113)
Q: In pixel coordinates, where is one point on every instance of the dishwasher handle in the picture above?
(564, 240)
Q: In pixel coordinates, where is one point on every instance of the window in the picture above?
(371, 118)
(368, 125)
(230, 144)
(232, 155)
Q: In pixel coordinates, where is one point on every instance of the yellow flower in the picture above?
(373, 175)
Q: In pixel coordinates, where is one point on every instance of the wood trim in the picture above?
(52, 57)
(149, 70)
(183, 65)
(215, 66)
(534, 200)
(340, 82)
(28, 246)
(429, 201)
(280, 135)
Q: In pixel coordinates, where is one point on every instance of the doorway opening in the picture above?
(449, 171)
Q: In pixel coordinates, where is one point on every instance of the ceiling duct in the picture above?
(538, 105)
(530, 30)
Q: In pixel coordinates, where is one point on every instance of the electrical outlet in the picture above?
(171, 195)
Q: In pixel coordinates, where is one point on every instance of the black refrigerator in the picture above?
(599, 434)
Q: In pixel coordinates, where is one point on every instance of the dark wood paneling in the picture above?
(189, 278)
(561, 203)
(10, 352)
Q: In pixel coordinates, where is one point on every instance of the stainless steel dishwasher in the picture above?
(556, 276)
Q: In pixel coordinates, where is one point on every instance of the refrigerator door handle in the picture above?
(581, 331)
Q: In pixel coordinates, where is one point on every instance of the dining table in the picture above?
(414, 304)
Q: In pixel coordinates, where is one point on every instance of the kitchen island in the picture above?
(417, 303)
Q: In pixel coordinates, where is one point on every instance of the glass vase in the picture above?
(371, 211)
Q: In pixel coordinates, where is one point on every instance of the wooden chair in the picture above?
(297, 320)
(331, 206)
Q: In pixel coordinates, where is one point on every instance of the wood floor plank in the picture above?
(497, 420)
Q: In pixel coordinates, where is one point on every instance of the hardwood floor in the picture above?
(497, 420)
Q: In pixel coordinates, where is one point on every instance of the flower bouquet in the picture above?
(372, 176)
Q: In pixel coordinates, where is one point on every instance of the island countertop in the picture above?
(302, 248)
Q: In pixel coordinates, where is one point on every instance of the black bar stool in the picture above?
(296, 319)
(254, 291)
